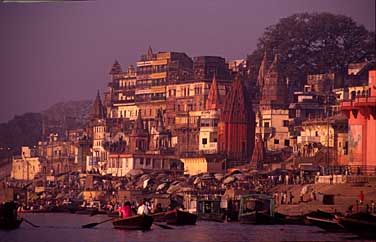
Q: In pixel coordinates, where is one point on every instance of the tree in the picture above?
(313, 43)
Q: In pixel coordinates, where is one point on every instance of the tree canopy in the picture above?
(313, 43)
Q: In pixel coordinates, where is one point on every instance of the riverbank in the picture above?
(345, 195)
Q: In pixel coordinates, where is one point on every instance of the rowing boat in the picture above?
(178, 217)
(137, 222)
(6, 224)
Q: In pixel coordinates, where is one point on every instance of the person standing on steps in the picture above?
(143, 208)
(361, 197)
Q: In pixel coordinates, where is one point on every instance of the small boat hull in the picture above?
(256, 218)
(177, 217)
(10, 224)
(159, 217)
(326, 224)
(360, 224)
(138, 222)
(213, 217)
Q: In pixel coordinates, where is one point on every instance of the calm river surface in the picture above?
(67, 228)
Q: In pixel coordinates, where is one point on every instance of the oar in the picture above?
(163, 226)
(27, 221)
(91, 225)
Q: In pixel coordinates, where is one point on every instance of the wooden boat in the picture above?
(324, 220)
(137, 222)
(256, 209)
(87, 211)
(213, 217)
(287, 219)
(34, 211)
(362, 224)
(210, 210)
(326, 224)
(10, 224)
(113, 214)
(178, 217)
(159, 217)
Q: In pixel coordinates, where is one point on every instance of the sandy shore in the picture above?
(344, 196)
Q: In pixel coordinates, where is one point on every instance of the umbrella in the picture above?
(161, 186)
(135, 172)
(60, 196)
(229, 180)
(173, 188)
(145, 183)
(218, 176)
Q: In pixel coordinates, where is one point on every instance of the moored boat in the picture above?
(324, 220)
(326, 224)
(137, 222)
(159, 217)
(210, 210)
(362, 224)
(8, 216)
(10, 224)
(178, 217)
(256, 209)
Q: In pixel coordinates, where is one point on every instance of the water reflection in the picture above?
(67, 228)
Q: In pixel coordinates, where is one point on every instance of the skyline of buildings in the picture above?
(172, 110)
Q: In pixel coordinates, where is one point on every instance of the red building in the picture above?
(236, 128)
(361, 113)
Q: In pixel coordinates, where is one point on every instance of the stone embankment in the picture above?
(345, 195)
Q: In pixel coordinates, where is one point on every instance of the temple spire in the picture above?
(98, 110)
(262, 71)
(213, 102)
(139, 122)
(275, 64)
(150, 53)
(116, 68)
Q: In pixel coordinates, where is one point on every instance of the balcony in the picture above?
(123, 101)
(308, 139)
(358, 102)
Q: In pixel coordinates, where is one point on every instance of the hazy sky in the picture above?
(52, 52)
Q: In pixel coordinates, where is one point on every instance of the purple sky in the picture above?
(52, 52)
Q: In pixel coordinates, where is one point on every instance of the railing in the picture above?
(359, 100)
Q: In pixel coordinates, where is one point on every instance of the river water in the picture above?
(67, 228)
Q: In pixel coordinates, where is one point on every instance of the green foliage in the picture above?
(314, 43)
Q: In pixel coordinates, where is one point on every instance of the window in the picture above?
(276, 141)
(266, 124)
(204, 141)
(285, 123)
(287, 142)
(316, 133)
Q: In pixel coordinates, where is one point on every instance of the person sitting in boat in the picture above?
(158, 208)
(125, 210)
(143, 208)
(9, 211)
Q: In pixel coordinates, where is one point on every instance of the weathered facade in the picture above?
(361, 113)
(236, 128)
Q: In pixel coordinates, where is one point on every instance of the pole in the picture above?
(328, 138)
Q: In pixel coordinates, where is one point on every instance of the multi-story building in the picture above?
(208, 138)
(361, 114)
(98, 130)
(329, 132)
(120, 98)
(273, 112)
(141, 149)
(27, 166)
(154, 73)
